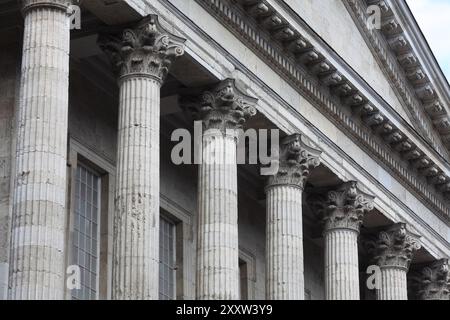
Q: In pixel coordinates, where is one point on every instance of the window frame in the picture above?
(185, 236)
(175, 225)
(105, 169)
(185, 247)
(81, 163)
(249, 260)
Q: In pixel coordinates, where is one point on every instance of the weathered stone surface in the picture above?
(432, 281)
(147, 49)
(342, 211)
(361, 138)
(39, 214)
(392, 251)
(142, 57)
(284, 249)
(296, 160)
(223, 110)
(8, 63)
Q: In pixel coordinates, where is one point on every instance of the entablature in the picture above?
(410, 67)
(301, 57)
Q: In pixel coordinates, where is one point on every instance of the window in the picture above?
(86, 232)
(243, 283)
(247, 275)
(167, 267)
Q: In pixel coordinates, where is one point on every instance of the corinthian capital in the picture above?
(145, 50)
(394, 247)
(58, 4)
(224, 107)
(296, 160)
(344, 207)
(432, 281)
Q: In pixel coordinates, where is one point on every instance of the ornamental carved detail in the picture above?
(432, 281)
(342, 208)
(224, 107)
(59, 4)
(288, 38)
(394, 247)
(296, 160)
(144, 50)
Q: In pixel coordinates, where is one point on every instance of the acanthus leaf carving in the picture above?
(343, 207)
(146, 49)
(432, 281)
(242, 24)
(394, 247)
(224, 107)
(296, 160)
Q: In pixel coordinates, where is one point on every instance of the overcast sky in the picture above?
(433, 17)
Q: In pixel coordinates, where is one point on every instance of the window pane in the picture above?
(84, 244)
(167, 260)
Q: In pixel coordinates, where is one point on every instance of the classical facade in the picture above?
(93, 205)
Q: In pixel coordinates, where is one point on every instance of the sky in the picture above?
(433, 17)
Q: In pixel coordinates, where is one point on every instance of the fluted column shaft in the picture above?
(342, 211)
(38, 226)
(284, 224)
(142, 56)
(222, 111)
(218, 252)
(284, 244)
(393, 284)
(341, 265)
(136, 241)
(392, 249)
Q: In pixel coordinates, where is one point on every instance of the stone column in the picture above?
(432, 281)
(38, 225)
(343, 211)
(284, 230)
(142, 56)
(392, 251)
(223, 111)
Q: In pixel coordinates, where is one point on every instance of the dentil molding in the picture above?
(303, 65)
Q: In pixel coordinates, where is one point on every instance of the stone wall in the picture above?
(8, 80)
(92, 116)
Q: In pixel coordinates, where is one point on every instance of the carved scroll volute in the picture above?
(146, 49)
(432, 281)
(225, 107)
(296, 160)
(343, 207)
(394, 247)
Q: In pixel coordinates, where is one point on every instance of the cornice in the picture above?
(401, 55)
(303, 65)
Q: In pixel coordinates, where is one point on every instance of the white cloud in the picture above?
(433, 17)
